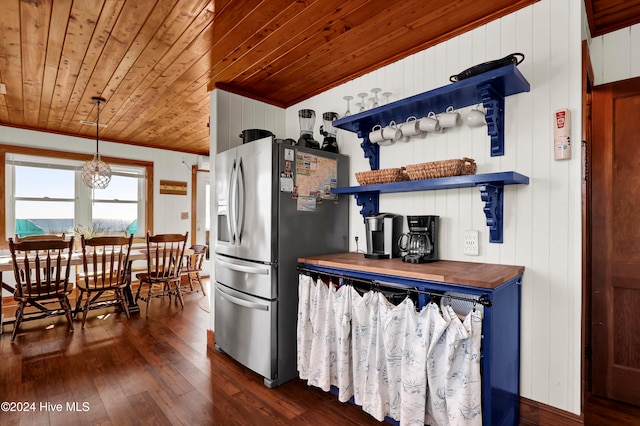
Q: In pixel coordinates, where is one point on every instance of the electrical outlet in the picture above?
(471, 245)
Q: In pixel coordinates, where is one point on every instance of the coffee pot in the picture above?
(420, 244)
(415, 244)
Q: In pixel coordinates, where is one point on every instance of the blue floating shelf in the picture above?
(489, 89)
(491, 187)
(503, 178)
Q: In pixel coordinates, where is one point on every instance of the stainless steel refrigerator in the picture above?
(273, 205)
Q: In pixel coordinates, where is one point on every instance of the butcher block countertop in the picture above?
(483, 275)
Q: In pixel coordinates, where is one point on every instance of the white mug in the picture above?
(391, 132)
(476, 117)
(375, 136)
(429, 123)
(410, 127)
(449, 118)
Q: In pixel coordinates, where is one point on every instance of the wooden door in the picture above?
(615, 232)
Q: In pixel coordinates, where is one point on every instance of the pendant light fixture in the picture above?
(96, 173)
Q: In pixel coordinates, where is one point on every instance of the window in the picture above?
(48, 196)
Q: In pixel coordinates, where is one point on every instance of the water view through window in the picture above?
(50, 200)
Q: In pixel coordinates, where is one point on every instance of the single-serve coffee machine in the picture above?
(383, 231)
(421, 242)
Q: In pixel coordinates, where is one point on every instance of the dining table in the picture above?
(137, 253)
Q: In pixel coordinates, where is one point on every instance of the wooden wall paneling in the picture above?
(622, 62)
(509, 44)
(10, 34)
(634, 42)
(561, 341)
(236, 118)
(248, 117)
(524, 145)
(539, 267)
(617, 55)
(220, 131)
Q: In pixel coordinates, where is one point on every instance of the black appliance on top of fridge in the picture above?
(273, 205)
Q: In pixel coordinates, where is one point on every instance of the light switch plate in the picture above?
(470, 244)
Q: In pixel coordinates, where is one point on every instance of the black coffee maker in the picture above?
(421, 242)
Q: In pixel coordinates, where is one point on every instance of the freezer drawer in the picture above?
(245, 328)
(253, 278)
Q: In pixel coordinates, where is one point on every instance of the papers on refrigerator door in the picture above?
(306, 204)
(315, 176)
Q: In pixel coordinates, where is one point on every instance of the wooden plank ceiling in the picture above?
(605, 16)
(156, 60)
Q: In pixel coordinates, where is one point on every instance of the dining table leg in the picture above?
(128, 295)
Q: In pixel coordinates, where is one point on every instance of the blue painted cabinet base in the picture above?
(500, 352)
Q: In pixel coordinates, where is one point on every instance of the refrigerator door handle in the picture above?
(241, 200)
(261, 270)
(231, 217)
(241, 302)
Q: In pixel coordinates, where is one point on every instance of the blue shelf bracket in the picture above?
(493, 196)
(369, 201)
(371, 151)
(493, 104)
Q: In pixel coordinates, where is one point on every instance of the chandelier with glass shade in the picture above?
(95, 172)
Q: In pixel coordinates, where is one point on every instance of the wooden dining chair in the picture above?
(193, 266)
(41, 269)
(164, 264)
(105, 269)
(40, 237)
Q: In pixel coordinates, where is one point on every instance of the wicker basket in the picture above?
(381, 176)
(469, 166)
(443, 168)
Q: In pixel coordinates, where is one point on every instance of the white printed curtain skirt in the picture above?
(415, 367)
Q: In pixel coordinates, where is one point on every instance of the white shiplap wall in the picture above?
(542, 220)
(542, 229)
(231, 113)
(616, 56)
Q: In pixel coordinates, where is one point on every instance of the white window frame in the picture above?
(83, 196)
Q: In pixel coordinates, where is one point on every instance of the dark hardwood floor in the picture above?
(154, 370)
(158, 371)
(605, 412)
